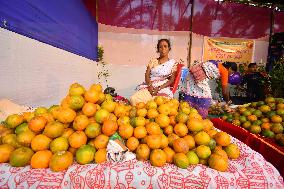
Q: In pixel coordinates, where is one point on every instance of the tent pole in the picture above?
(269, 64)
(190, 34)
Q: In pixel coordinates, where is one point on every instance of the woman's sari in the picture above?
(159, 75)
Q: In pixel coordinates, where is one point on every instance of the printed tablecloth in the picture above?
(250, 170)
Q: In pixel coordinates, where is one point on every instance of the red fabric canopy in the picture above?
(211, 18)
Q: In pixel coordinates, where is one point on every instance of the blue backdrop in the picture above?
(65, 24)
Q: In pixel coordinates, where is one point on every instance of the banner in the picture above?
(228, 49)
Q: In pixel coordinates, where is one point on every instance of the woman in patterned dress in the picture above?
(198, 94)
(160, 74)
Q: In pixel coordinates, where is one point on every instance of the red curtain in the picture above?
(211, 18)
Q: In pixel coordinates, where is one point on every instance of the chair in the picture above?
(177, 79)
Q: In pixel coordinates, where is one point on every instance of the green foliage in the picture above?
(277, 78)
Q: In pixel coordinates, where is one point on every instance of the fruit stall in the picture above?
(161, 144)
(63, 126)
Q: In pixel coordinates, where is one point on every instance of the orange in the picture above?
(172, 120)
(181, 129)
(195, 115)
(125, 131)
(142, 112)
(151, 105)
(132, 143)
(25, 138)
(195, 124)
(171, 138)
(80, 122)
(202, 138)
(101, 115)
(112, 117)
(40, 142)
(96, 87)
(41, 159)
(181, 117)
(72, 150)
(109, 127)
(123, 120)
(140, 105)
(120, 111)
(142, 152)
(180, 145)
(59, 144)
(21, 157)
(5, 151)
(252, 118)
(218, 162)
(207, 125)
(153, 128)
(222, 139)
(48, 117)
(154, 141)
(61, 161)
(102, 98)
(100, 155)
(89, 109)
(76, 89)
(67, 132)
(140, 132)
(66, 115)
(190, 141)
(37, 124)
(28, 116)
(164, 109)
(91, 96)
(152, 113)
(12, 121)
(276, 119)
(77, 139)
(212, 133)
(159, 100)
(109, 105)
(168, 130)
(265, 126)
(76, 102)
(181, 160)
(232, 151)
(158, 158)
(54, 129)
(163, 120)
(170, 154)
(218, 150)
(203, 152)
(164, 141)
(101, 141)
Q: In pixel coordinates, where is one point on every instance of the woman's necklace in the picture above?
(162, 61)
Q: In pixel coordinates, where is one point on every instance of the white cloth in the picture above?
(115, 152)
(159, 75)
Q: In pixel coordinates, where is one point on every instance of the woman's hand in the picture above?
(151, 89)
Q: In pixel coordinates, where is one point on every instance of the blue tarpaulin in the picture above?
(65, 24)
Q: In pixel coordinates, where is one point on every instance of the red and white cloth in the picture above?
(250, 170)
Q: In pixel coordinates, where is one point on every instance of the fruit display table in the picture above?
(265, 146)
(250, 170)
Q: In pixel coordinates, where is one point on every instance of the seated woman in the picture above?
(159, 76)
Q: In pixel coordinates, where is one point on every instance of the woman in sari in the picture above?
(198, 94)
(159, 76)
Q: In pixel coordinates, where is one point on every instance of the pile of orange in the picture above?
(262, 117)
(161, 131)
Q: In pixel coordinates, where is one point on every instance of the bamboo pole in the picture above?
(190, 35)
